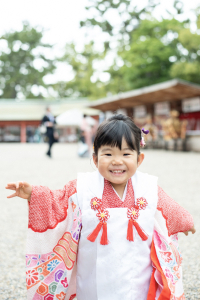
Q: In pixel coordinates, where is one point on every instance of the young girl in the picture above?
(110, 234)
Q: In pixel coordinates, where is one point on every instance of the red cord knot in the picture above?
(95, 203)
(103, 216)
(141, 203)
(133, 215)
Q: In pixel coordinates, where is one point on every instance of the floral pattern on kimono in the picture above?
(53, 237)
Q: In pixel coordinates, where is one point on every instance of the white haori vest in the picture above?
(122, 269)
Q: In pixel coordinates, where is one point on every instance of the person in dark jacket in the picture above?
(49, 121)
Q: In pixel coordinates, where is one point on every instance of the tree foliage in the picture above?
(188, 67)
(147, 51)
(156, 51)
(22, 65)
(102, 12)
(149, 58)
(84, 83)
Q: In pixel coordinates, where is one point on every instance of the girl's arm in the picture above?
(47, 208)
(177, 218)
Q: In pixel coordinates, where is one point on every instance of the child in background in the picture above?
(110, 234)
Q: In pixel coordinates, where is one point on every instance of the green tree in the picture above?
(100, 14)
(85, 82)
(188, 66)
(22, 65)
(148, 59)
(155, 51)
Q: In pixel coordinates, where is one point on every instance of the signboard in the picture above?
(190, 105)
(162, 108)
(140, 111)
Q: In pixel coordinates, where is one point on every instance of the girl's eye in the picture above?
(126, 154)
(108, 154)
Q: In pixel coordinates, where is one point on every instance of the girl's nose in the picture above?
(117, 161)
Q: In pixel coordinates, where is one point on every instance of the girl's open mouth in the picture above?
(117, 172)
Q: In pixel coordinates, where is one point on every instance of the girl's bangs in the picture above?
(113, 136)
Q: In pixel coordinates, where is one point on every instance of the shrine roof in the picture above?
(167, 91)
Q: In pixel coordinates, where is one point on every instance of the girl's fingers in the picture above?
(13, 195)
(11, 188)
(15, 185)
(11, 185)
(193, 230)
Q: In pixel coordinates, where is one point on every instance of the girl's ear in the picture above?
(95, 160)
(140, 159)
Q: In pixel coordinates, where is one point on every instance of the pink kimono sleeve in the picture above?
(47, 208)
(177, 218)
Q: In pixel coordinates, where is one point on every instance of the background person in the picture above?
(49, 121)
(88, 129)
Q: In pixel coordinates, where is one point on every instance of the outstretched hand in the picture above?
(193, 230)
(22, 190)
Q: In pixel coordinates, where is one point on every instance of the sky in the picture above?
(61, 19)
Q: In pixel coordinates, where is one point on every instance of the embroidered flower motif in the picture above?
(159, 242)
(103, 215)
(177, 272)
(31, 277)
(52, 265)
(166, 256)
(133, 213)
(61, 296)
(96, 203)
(73, 206)
(141, 203)
(64, 282)
(169, 275)
(36, 260)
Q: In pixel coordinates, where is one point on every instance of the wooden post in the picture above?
(23, 132)
(129, 111)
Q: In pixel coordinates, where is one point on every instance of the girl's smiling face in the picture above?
(116, 165)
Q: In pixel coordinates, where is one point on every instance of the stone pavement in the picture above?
(179, 176)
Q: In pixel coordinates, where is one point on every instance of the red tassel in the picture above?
(92, 236)
(130, 231)
(141, 232)
(104, 237)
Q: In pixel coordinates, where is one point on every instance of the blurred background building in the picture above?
(155, 102)
(111, 56)
(20, 120)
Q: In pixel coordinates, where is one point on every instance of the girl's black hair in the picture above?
(112, 131)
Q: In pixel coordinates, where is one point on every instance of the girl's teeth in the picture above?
(117, 171)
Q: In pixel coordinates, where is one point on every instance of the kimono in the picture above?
(85, 241)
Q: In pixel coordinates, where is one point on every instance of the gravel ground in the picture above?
(178, 173)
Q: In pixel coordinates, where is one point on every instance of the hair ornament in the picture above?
(145, 131)
(142, 142)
